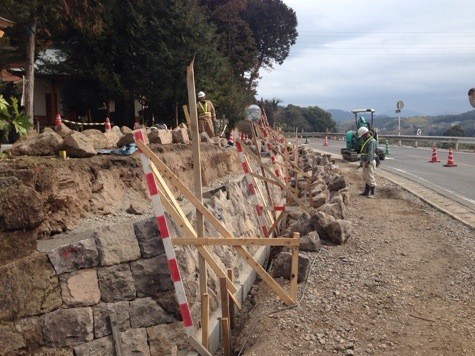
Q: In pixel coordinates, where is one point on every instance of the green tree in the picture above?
(34, 22)
(455, 131)
(274, 26)
(318, 119)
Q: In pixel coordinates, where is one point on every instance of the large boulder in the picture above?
(21, 208)
(44, 144)
(281, 266)
(164, 137)
(331, 229)
(62, 130)
(112, 137)
(77, 145)
(127, 139)
(98, 138)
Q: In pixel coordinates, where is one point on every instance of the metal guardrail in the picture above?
(412, 138)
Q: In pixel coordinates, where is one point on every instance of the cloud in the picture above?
(353, 53)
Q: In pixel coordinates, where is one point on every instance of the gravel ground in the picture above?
(404, 284)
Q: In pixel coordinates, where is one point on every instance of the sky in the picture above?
(373, 53)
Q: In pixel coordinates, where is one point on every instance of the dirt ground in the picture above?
(404, 284)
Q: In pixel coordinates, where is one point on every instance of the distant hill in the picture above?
(340, 115)
(430, 125)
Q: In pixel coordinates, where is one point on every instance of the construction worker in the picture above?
(368, 161)
(206, 115)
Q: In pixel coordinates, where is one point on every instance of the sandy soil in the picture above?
(404, 284)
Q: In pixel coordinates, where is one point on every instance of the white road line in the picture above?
(435, 185)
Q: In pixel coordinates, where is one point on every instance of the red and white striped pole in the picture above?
(167, 242)
(251, 188)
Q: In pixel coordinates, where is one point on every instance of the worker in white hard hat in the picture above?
(206, 115)
(368, 160)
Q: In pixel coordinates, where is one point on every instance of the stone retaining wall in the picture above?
(59, 301)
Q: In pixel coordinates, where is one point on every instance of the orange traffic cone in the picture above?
(107, 124)
(136, 123)
(434, 159)
(450, 160)
(57, 121)
(231, 139)
(326, 141)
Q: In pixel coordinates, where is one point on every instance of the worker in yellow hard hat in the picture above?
(206, 115)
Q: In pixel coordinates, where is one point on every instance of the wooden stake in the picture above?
(276, 223)
(226, 337)
(205, 320)
(294, 271)
(232, 310)
(224, 298)
(195, 137)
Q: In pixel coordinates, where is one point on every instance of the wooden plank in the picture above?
(198, 347)
(294, 270)
(276, 223)
(115, 333)
(206, 241)
(205, 320)
(269, 180)
(226, 336)
(271, 174)
(187, 116)
(195, 144)
(175, 182)
(232, 310)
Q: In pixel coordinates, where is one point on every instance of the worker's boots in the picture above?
(371, 192)
(366, 192)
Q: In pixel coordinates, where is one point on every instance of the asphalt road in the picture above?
(455, 183)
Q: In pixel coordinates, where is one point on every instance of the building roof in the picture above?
(4, 23)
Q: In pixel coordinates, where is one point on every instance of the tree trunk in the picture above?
(30, 67)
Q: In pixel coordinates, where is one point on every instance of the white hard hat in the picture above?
(362, 130)
(201, 94)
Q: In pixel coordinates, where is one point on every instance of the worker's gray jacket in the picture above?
(368, 149)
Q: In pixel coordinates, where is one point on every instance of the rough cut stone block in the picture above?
(337, 183)
(282, 265)
(116, 283)
(99, 347)
(146, 312)
(163, 137)
(75, 256)
(11, 339)
(180, 136)
(31, 331)
(151, 276)
(28, 286)
(81, 288)
(112, 137)
(147, 234)
(163, 337)
(134, 342)
(117, 244)
(45, 144)
(68, 327)
(310, 242)
(102, 326)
